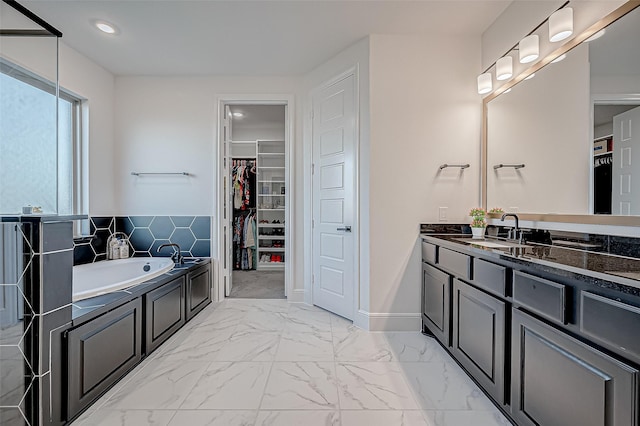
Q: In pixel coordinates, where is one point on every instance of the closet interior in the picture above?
(258, 167)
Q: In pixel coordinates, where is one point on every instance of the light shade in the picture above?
(485, 85)
(529, 48)
(504, 68)
(561, 24)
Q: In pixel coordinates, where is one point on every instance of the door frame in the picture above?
(604, 99)
(218, 204)
(360, 317)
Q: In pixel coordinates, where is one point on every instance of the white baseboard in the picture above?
(389, 321)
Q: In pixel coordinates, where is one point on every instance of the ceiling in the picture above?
(258, 116)
(241, 37)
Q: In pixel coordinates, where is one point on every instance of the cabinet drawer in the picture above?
(165, 313)
(614, 324)
(428, 252)
(541, 296)
(198, 290)
(489, 276)
(458, 263)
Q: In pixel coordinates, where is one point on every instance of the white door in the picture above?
(228, 204)
(626, 158)
(333, 198)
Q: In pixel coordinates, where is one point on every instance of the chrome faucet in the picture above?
(177, 257)
(514, 233)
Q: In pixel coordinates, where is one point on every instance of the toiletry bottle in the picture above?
(124, 249)
(114, 249)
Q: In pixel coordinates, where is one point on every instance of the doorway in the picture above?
(255, 177)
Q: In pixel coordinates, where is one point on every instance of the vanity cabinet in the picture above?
(436, 302)
(165, 313)
(479, 336)
(557, 380)
(198, 290)
(102, 351)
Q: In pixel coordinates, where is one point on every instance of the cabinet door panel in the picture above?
(479, 336)
(436, 287)
(198, 290)
(164, 313)
(558, 380)
(101, 352)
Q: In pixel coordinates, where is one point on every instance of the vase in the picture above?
(477, 233)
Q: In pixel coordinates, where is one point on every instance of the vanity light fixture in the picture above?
(561, 24)
(530, 76)
(106, 27)
(504, 68)
(529, 48)
(485, 84)
(559, 58)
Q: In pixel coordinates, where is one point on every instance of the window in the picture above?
(38, 166)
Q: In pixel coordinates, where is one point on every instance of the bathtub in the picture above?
(98, 278)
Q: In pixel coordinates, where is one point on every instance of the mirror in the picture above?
(568, 139)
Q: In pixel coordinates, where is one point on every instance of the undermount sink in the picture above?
(491, 243)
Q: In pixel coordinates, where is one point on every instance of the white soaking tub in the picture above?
(94, 279)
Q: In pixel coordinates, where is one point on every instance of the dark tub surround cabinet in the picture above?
(112, 333)
(548, 334)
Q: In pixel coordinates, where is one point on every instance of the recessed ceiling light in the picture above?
(596, 35)
(529, 77)
(106, 27)
(559, 58)
(238, 114)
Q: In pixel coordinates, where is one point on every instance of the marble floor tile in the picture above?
(214, 418)
(268, 322)
(444, 386)
(342, 326)
(361, 346)
(159, 385)
(384, 418)
(414, 347)
(305, 347)
(229, 385)
(373, 386)
(249, 345)
(198, 345)
(256, 305)
(298, 418)
(466, 418)
(219, 320)
(308, 320)
(127, 418)
(301, 386)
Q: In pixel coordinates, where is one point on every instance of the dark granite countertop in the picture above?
(606, 270)
(84, 310)
(44, 218)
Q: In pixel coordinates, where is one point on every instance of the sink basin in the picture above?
(491, 243)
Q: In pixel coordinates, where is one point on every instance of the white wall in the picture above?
(92, 82)
(423, 114)
(166, 124)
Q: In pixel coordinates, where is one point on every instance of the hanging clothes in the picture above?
(243, 178)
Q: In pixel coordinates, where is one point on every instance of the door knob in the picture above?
(344, 228)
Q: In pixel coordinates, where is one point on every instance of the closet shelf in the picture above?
(271, 154)
(270, 181)
(270, 225)
(272, 250)
(271, 195)
(271, 237)
(272, 210)
(271, 167)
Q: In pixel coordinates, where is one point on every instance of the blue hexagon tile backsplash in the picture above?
(146, 234)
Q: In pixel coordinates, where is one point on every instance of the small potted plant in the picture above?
(495, 212)
(478, 222)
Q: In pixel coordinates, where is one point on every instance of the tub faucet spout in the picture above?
(177, 257)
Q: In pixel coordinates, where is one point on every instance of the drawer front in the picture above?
(165, 313)
(458, 263)
(198, 290)
(428, 252)
(614, 324)
(489, 276)
(541, 296)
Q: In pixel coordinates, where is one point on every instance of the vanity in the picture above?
(548, 332)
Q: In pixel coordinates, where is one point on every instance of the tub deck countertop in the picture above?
(87, 309)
